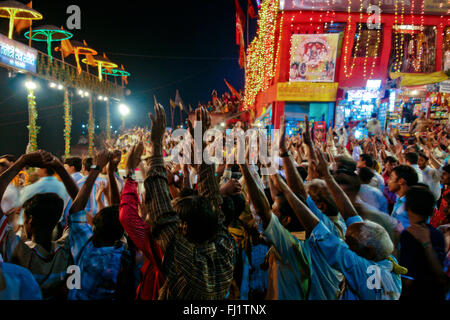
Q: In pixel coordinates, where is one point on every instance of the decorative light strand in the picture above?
(358, 39)
(67, 123)
(349, 21)
(376, 45)
(261, 54)
(33, 129)
(91, 128)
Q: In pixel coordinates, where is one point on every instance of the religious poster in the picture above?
(313, 57)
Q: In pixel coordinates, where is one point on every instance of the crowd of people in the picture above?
(342, 219)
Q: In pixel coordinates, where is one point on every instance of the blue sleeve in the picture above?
(29, 288)
(340, 257)
(320, 215)
(282, 239)
(80, 232)
(352, 220)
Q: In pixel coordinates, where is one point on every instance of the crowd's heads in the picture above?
(198, 219)
(107, 227)
(42, 212)
(345, 163)
(412, 158)
(87, 164)
(287, 217)
(366, 160)
(390, 163)
(319, 192)
(73, 165)
(420, 201)
(369, 240)
(349, 182)
(423, 161)
(365, 175)
(232, 207)
(402, 176)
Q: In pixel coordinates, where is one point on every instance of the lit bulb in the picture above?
(30, 85)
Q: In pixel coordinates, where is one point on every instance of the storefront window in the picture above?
(367, 41)
(413, 49)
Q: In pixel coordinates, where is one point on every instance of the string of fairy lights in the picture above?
(260, 68)
(377, 44)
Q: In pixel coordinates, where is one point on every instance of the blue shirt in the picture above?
(20, 283)
(288, 265)
(357, 270)
(374, 197)
(99, 266)
(325, 280)
(400, 212)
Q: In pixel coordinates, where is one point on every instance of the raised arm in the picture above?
(293, 178)
(343, 203)
(311, 153)
(163, 219)
(31, 159)
(114, 194)
(257, 196)
(79, 204)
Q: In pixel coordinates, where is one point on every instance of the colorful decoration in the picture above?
(108, 122)
(77, 48)
(67, 123)
(100, 62)
(313, 57)
(67, 75)
(91, 127)
(33, 129)
(48, 34)
(261, 61)
(116, 73)
(14, 10)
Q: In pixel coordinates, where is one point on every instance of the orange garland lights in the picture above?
(261, 55)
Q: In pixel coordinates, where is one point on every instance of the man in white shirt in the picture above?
(431, 177)
(73, 166)
(373, 126)
(369, 194)
(47, 183)
(366, 160)
(412, 159)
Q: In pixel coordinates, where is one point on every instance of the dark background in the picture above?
(165, 45)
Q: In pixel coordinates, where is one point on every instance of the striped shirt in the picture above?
(192, 272)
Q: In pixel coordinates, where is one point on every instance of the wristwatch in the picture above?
(95, 167)
(285, 154)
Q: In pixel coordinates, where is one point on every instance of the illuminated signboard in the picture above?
(17, 55)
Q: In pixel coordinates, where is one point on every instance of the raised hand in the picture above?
(282, 139)
(116, 157)
(158, 129)
(102, 158)
(134, 157)
(307, 135)
(322, 165)
(33, 159)
(230, 188)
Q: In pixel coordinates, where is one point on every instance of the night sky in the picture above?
(165, 45)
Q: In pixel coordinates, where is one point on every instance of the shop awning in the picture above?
(418, 79)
